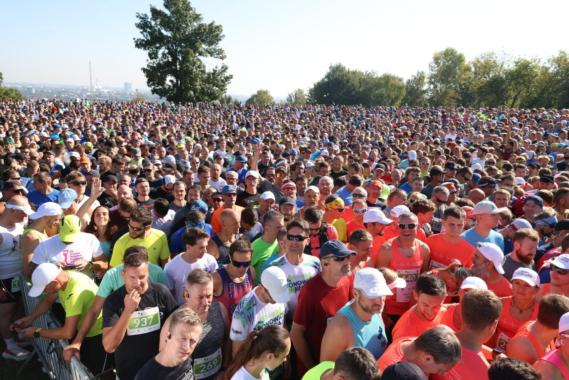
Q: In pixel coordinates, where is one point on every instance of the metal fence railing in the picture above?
(50, 352)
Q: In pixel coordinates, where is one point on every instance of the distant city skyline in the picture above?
(280, 46)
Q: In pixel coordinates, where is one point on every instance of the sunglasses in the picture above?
(558, 270)
(410, 226)
(217, 199)
(241, 264)
(136, 228)
(79, 183)
(358, 195)
(360, 210)
(295, 237)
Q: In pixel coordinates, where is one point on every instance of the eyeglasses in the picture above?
(409, 226)
(295, 237)
(79, 183)
(15, 178)
(230, 195)
(131, 227)
(241, 264)
(360, 210)
(358, 195)
(558, 270)
(217, 199)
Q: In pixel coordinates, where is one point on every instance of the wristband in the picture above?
(37, 332)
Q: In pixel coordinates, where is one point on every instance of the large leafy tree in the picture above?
(261, 98)
(9, 93)
(448, 77)
(177, 41)
(416, 90)
(297, 97)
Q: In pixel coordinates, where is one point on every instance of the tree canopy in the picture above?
(177, 42)
(261, 98)
(8, 93)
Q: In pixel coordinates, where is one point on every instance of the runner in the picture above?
(553, 366)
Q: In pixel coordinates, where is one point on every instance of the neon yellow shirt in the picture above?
(156, 243)
(77, 298)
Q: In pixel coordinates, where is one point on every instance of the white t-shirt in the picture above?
(164, 224)
(178, 269)
(243, 374)
(53, 250)
(10, 258)
(252, 314)
(217, 185)
(297, 275)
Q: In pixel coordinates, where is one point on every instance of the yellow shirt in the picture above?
(77, 298)
(156, 243)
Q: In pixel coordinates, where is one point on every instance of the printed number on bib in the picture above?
(410, 275)
(208, 365)
(144, 321)
(16, 284)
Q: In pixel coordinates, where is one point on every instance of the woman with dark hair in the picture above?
(99, 226)
(261, 352)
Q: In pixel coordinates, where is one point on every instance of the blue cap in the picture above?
(66, 198)
(200, 206)
(54, 136)
(334, 248)
(228, 189)
(293, 152)
(256, 140)
(241, 159)
(476, 178)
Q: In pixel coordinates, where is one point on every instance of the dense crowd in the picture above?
(216, 241)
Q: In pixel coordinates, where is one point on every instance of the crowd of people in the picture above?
(231, 242)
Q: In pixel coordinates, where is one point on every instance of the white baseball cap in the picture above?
(398, 210)
(312, 188)
(473, 282)
(398, 283)
(412, 155)
(519, 181)
(274, 280)
(520, 223)
(371, 283)
(486, 207)
(253, 173)
(47, 209)
(561, 261)
(267, 195)
(493, 253)
(529, 276)
(42, 276)
(169, 179)
(564, 322)
(374, 215)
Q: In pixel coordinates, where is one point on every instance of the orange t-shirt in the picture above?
(443, 252)
(352, 226)
(411, 324)
(502, 288)
(508, 325)
(449, 316)
(393, 354)
(409, 268)
(473, 366)
(525, 332)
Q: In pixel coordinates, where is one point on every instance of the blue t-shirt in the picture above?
(345, 194)
(36, 198)
(177, 243)
(493, 237)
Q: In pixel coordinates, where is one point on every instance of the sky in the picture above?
(275, 45)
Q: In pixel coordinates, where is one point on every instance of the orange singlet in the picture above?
(508, 325)
(407, 267)
(524, 331)
(448, 317)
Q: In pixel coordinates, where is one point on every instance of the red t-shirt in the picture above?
(393, 354)
(502, 288)
(473, 366)
(443, 252)
(410, 324)
(316, 303)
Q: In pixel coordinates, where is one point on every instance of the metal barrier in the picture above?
(50, 351)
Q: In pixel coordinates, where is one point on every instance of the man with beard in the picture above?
(525, 247)
(487, 264)
(362, 316)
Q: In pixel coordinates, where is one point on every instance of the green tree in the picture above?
(9, 93)
(521, 82)
(261, 98)
(297, 97)
(385, 90)
(339, 86)
(416, 90)
(177, 41)
(448, 76)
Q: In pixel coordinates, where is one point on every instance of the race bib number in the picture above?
(144, 321)
(208, 365)
(410, 275)
(502, 342)
(16, 284)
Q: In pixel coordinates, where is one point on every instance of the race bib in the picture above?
(16, 284)
(144, 321)
(208, 365)
(502, 342)
(410, 275)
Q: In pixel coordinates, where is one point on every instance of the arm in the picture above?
(113, 336)
(335, 339)
(212, 249)
(519, 348)
(73, 348)
(42, 308)
(165, 251)
(28, 243)
(87, 208)
(301, 345)
(426, 255)
(235, 346)
(226, 341)
(65, 332)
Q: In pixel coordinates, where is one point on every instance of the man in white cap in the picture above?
(361, 316)
(266, 203)
(559, 276)
(43, 224)
(487, 264)
(453, 314)
(263, 306)
(249, 197)
(487, 217)
(533, 339)
(12, 222)
(375, 223)
(76, 293)
(555, 364)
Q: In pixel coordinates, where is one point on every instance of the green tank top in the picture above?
(315, 373)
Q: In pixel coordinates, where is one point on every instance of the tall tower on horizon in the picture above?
(90, 77)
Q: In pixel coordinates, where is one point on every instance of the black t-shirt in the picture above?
(140, 342)
(161, 193)
(153, 370)
(107, 200)
(244, 199)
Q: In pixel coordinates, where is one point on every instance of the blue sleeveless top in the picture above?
(369, 335)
